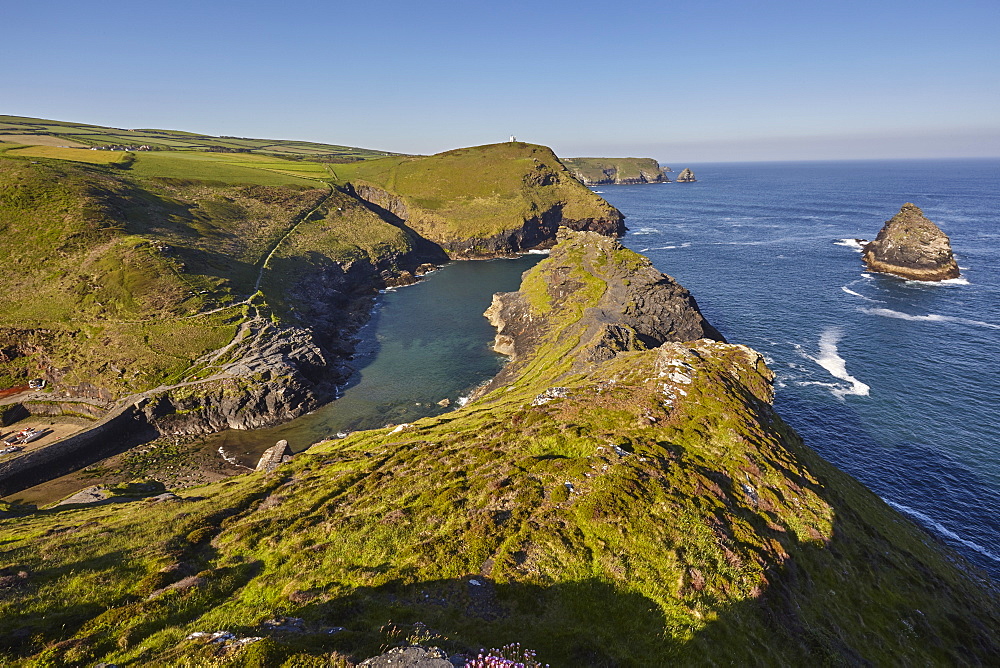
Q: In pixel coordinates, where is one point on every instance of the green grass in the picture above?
(595, 170)
(658, 555)
(479, 192)
(227, 168)
(74, 154)
(96, 135)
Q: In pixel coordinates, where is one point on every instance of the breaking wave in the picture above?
(850, 243)
(925, 520)
(931, 317)
(830, 359)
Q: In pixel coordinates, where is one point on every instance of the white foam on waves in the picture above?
(930, 317)
(924, 519)
(850, 243)
(858, 294)
(830, 359)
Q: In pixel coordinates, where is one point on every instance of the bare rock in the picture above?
(275, 456)
(912, 247)
(686, 176)
(409, 657)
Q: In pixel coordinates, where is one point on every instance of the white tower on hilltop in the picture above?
(513, 139)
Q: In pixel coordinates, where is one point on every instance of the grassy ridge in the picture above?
(121, 278)
(652, 511)
(478, 192)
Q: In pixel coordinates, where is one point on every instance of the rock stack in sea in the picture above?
(686, 176)
(912, 247)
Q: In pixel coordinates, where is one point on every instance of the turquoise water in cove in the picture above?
(895, 382)
(425, 343)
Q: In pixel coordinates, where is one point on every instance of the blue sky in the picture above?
(699, 81)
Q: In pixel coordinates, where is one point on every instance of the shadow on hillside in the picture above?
(865, 597)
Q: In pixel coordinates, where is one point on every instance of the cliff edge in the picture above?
(616, 171)
(912, 247)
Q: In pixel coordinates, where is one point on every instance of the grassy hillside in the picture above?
(119, 275)
(646, 508)
(477, 193)
(597, 171)
(41, 132)
(130, 271)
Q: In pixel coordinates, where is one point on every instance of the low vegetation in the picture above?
(41, 132)
(599, 171)
(481, 192)
(647, 509)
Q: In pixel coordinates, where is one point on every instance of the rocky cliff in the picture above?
(616, 171)
(626, 497)
(912, 247)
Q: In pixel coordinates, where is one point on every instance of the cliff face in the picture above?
(637, 307)
(911, 246)
(616, 171)
(482, 201)
(623, 497)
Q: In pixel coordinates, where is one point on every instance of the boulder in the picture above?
(275, 456)
(912, 247)
(686, 176)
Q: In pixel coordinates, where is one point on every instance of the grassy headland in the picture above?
(481, 200)
(602, 171)
(624, 498)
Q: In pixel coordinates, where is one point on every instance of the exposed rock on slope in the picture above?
(686, 176)
(616, 171)
(638, 506)
(482, 201)
(911, 246)
(637, 307)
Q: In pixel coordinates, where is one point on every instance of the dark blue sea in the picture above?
(895, 382)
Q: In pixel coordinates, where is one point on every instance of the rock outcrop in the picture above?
(912, 247)
(686, 176)
(616, 171)
(638, 307)
(275, 456)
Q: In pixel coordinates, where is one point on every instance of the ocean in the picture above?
(895, 382)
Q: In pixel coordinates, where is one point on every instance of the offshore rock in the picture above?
(686, 176)
(912, 247)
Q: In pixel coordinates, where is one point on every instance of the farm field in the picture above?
(74, 154)
(41, 140)
(27, 130)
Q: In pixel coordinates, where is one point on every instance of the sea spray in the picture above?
(830, 359)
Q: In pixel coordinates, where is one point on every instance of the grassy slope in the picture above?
(31, 130)
(713, 536)
(105, 270)
(477, 192)
(593, 169)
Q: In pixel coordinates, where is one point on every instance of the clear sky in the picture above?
(679, 81)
